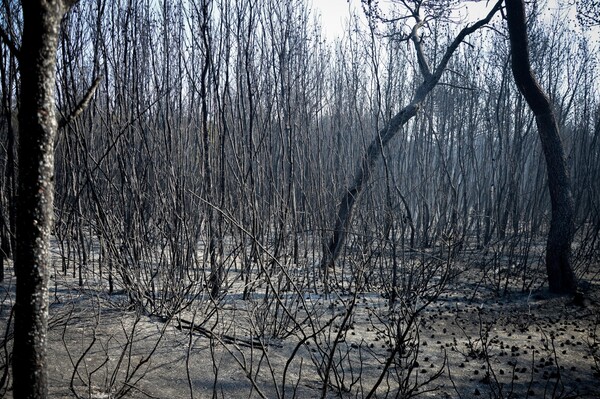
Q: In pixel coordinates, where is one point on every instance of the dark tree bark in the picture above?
(558, 247)
(374, 151)
(37, 130)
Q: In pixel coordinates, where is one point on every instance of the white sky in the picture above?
(334, 13)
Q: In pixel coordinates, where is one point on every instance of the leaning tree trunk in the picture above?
(37, 130)
(374, 151)
(561, 278)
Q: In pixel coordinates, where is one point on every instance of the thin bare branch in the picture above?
(82, 105)
(421, 58)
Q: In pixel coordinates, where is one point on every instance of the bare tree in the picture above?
(393, 126)
(37, 130)
(561, 278)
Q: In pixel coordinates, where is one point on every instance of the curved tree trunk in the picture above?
(430, 79)
(558, 247)
(37, 131)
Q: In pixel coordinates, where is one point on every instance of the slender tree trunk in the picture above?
(561, 278)
(37, 130)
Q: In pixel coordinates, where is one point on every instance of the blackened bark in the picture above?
(37, 130)
(561, 278)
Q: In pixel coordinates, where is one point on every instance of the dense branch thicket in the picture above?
(225, 129)
(202, 151)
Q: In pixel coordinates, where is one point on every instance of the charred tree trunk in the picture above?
(561, 278)
(37, 130)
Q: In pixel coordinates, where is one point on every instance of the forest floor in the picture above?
(470, 341)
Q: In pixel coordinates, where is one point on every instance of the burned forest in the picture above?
(299, 199)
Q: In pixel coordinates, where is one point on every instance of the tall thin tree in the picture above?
(561, 278)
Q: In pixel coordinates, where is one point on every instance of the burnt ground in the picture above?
(469, 341)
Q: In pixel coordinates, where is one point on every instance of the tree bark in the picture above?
(37, 130)
(374, 151)
(561, 278)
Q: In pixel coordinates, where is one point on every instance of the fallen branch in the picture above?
(249, 343)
